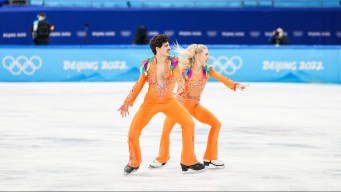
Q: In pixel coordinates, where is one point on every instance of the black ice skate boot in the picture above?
(193, 168)
(129, 169)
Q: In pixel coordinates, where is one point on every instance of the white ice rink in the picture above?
(69, 137)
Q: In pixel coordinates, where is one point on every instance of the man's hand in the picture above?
(124, 110)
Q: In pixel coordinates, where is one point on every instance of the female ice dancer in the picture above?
(196, 72)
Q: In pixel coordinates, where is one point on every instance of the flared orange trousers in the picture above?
(204, 116)
(173, 110)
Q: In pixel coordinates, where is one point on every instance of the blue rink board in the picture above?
(312, 64)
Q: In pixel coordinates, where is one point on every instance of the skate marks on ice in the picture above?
(69, 136)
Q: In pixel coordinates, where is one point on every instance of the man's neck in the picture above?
(161, 59)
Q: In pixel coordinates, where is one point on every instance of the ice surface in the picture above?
(70, 136)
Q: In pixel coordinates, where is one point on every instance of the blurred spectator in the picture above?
(141, 36)
(41, 30)
(3, 2)
(278, 37)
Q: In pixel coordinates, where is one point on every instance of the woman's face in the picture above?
(203, 57)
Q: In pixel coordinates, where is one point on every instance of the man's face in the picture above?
(164, 50)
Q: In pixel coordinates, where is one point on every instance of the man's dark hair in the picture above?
(158, 41)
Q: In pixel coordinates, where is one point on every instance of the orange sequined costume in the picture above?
(159, 98)
(190, 98)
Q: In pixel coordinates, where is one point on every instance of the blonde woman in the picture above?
(196, 72)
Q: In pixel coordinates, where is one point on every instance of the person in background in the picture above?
(141, 36)
(196, 73)
(278, 37)
(41, 30)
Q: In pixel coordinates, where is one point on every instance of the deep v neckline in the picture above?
(160, 74)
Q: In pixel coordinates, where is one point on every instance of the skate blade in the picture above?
(130, 172)
(215, 166)
(155, 167)
(191, 171)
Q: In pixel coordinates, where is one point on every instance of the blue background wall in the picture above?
(194, 25)
(318, 64)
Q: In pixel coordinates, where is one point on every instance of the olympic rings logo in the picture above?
(22, 64)
(226, 65)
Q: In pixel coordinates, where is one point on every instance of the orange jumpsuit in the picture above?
(190, 98)
(159, 98)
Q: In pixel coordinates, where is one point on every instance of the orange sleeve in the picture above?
(135, 90)
(228, 82)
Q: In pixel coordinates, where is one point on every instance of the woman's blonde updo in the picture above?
(188, 55)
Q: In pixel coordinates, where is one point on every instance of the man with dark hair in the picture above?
(162, 72)
(41, 30)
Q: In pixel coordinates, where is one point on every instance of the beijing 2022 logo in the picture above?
(22, 64)
(226, 65)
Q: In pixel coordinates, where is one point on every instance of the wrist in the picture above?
(125, 103)
(235, 86)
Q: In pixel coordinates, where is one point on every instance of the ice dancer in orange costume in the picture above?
(196, 72)
(161, 72)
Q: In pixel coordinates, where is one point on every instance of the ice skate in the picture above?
(198, 167)
(156, 164)
(214, 163)
(129, 169)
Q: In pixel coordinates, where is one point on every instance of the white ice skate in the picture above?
(156, 164)
(214, 163)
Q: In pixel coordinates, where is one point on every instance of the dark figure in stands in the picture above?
(278, 37)
(41, 30)
(141, 36)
